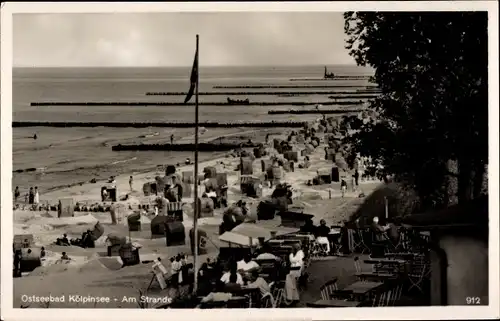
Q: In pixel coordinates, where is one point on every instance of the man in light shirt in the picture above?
(259, 283)
(247, 265)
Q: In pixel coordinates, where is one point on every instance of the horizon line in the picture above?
(186, 66)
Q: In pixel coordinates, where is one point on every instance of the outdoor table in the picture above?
(235, 300)
(252, 293)
(362, 288)
(334, 304)
(404, 256)
(385, 262)
(388, 265)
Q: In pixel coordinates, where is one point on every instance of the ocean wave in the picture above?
(123, 161)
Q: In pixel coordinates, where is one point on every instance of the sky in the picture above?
(168, 39)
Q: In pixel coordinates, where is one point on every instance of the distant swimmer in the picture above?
(35, 136)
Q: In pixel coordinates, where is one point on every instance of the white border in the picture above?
(8, 313)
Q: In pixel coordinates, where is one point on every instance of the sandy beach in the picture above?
(90, 269)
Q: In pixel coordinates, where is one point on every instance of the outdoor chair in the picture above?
(418, 271)
(359, 245)
(267, 300)
(328, 288)
(278, 293)
(318, 250)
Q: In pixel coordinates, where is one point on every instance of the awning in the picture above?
(246, 232)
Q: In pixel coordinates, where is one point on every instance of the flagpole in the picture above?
(196, 180)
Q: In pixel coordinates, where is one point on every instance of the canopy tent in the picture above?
(238, 239)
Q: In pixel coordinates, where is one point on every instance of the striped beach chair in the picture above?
(175, 209)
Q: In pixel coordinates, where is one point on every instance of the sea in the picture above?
(65, 156)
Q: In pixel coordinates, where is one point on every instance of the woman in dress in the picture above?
(296, 267)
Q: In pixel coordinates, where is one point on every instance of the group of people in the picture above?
(215, 279)
(32, 197)
(181, 270)
(235, 276)
(86, 241)
(321, 233)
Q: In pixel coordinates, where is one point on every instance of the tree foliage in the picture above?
(432, 69)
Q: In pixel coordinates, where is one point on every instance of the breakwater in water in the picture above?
(314, 111)
(202, 147)
(293, 86)
(283, 124)
(333, 78)
(337, 94)
(160, 103)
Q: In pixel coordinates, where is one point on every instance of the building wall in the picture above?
(467, 274)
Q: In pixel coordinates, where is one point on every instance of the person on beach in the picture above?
(172, 139)
(131, 182)
(31, 199)
(36, 199)
(343, 187)
(42, 252)
(176, 189)
(65, 257)
(356, 179)
(113, 182)
(322, 235)
(17, 193)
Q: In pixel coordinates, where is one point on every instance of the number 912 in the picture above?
(473, 300)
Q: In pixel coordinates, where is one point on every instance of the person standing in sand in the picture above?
(36, 199)
(31, 198)
(131, 182)
(17, 193)
(343, 187)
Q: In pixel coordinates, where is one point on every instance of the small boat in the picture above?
(328, 75)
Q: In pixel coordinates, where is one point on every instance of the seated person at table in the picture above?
(379, 230)
(296, 265)
(265, 254)
(232, 277)
(308, 227)
(247, 264)
(322, 235)
(256, 281)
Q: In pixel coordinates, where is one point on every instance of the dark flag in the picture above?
(194, 78)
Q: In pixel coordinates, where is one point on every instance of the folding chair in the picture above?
(360, 246)
(418, 272)
(396, 294)
(328, 289)
(357, 265)
(278, 293)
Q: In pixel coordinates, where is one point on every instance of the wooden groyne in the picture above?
(283, 124)
(292, 86)
(202, 147)
(333, 78)
(336, 94)
(314, 111)
(158, 103)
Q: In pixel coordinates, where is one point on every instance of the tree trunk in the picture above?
(465, 181)
(452, 182)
